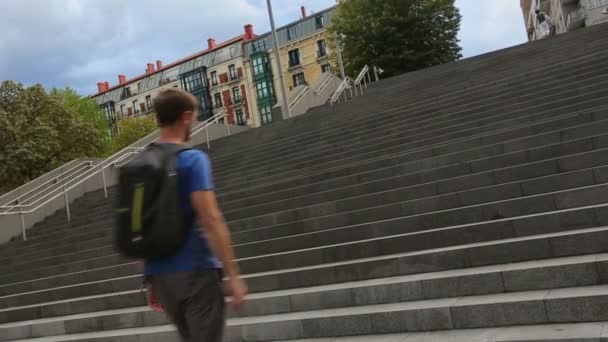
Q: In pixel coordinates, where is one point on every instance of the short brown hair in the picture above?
(170, 104)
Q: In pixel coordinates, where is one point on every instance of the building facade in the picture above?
(567, 15)
(217, 69)
(238, 76)
(304, 54)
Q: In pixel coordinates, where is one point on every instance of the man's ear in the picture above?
(188, 117)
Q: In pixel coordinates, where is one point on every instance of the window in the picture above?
(193, 81)
(214, 80)
(240, 119)
(139, 87)
(264, 90)
(123, 110)
(291, 33)
(294, 58)
(136, 108)
(266, 114)
(149, 102)
(258, 64)
(127, 92)
(299, 79)
(321, 49)
(236, 94)
(218, 100)
(325, 68)
(232, 72)
(319, 22)
(259, 45)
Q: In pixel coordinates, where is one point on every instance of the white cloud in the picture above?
(79, 43)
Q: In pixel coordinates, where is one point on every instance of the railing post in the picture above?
(103, 179)
(67, 204)
(207, 137)
(22, 218)
(23, 230)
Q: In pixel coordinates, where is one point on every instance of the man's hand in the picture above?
(237, 288)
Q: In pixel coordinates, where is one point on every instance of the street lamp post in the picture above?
(277, 55)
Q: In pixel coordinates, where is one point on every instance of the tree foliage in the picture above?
(132, 129)
(39, 132)
(397, 35)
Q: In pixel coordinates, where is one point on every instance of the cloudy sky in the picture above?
(78, 43)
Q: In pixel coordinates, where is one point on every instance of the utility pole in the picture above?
(277, 56)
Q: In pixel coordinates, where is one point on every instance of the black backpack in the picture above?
(150, 222)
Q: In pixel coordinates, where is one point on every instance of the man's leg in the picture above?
(194, 302)
(205, 312)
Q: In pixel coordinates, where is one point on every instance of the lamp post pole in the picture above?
(277, 56)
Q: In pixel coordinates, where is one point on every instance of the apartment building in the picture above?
(238, 76)
(304, 54)
(567, 15)
(205, 74)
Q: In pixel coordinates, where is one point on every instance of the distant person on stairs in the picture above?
(188, 285)
(605, 12)
(545, 23)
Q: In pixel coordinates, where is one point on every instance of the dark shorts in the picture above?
(194, 301)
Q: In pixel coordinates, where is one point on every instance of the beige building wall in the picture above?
(310, 63)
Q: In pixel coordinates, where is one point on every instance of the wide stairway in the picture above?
(466, 202)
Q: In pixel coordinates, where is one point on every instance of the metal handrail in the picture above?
(364, 72)
(299, 98)
(324, 84)
(22, 203)
(83, 175)
(346, 84)
(54, 180)
(212, 120)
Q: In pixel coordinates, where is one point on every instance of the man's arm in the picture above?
(217, 233)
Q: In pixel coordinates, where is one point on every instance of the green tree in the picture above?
(88, 111)
(38, 134)
(132, 129)
(397, 35)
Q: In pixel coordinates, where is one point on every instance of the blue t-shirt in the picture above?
(194, 169)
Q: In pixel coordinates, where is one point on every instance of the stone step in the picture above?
(357, 104)
(351, 231)
(536, 179)
(544, 274)
(456, 157)
(579, 332)
(353, 131)
(383, 179)
(535, 182)
(568, 305)
(384, 146)
(554, 245)
(517, 137)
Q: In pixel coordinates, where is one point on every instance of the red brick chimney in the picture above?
(150, 68)
(159, 65)
(211, 43)
(106, 85)
(100, 87)
(122, 79)
(303, 9)
(249, 35)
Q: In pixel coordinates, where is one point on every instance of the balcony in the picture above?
(322, 54)
(234, 78)
(237, 101)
